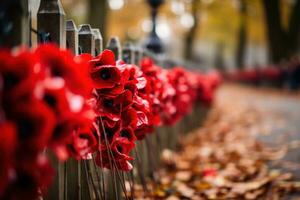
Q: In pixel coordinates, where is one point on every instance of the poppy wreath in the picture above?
(77, 106)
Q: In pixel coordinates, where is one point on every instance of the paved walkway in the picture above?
(280, 119)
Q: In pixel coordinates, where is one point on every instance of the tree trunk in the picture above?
(97, 16)
(282, 43)
(242, 36)
(294, 28)
(190, 38)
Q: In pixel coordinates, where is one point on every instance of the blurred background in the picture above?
(228, 34)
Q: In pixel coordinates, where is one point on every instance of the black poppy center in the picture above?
(109, 133)
(24, 181)
(50, 100)
(84, 136)
(26, 128)
(125, 134)
(119, 148)
(105, 74)
(11, 80)
(59, 129)
(56, 71)
(108, 102)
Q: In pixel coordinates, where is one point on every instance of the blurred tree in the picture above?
(242, 35)
(219, 62)
(283, 42)
(97, 15)
(191, 35)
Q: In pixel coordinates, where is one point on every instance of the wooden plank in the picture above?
(56, 191)
(73, 176)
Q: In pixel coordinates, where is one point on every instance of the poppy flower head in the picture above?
(83, 143)
(121, 148)
(8, 144)
(61, 63)
(107, 57)
(106, 76)
(35, 124)
(129, 118)
(127, 133)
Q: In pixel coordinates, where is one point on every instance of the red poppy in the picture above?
(107, 57)
(116, 154)
(56, 99)
(84, 142)
(107, 132)
(129, 118)
(127, 132)
(205, 90)
(105, 76)
(142, 131)
(112, 107)
(19, 83)
(30, 181)
(61, 63)
(35, 123)
(121, 148)
(8, 142)
(66, 127)
(107, 121)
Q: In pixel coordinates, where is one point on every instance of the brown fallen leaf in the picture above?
(185, 191)
(242, 188)
(183, 176)
(172, 198)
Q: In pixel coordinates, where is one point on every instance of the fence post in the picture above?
(113, 180)
(51, 23)
(86, 39)
(72, 37)
(137, 56)
(51, 28)
(14, 20)
(98, 41)
(115, 46)
(128, 53)
(73, 168)
(87, 45)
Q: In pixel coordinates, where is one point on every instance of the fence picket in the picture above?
(128, 53)
(72, 37)
(115, 46)
(51, 25)
(98, 41)
(86, 39)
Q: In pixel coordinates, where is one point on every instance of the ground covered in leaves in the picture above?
(224, 159)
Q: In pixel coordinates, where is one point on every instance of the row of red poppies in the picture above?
(77, 106)
(269, 73)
